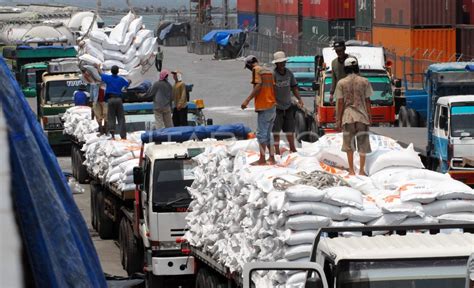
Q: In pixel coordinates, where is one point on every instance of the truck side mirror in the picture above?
(397, 92)
(138, 177)
(315, 86)
(443, 122)
(314, 282)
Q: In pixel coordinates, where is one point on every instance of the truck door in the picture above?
(440, 136)
(462, 131)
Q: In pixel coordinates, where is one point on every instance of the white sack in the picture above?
(441, 207)
(135, 25)
(343, 196)
(304, 193)
(453, 189)
(118, 32)
(89, 59)
(418, 190)
(294, 238)
(406, 157)
(297, 252)
(307, 222)
(98, 36)
(314, 208)
(457, 218)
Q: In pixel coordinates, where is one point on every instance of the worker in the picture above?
(337, 66)
(265, 102)
(180, 111)
(353, 115)
(285, 85)
(99, 106)
(162, 93)
(113, 97)
(159, 59)
(81, 96)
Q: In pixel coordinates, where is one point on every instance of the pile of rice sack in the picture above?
(242, 213)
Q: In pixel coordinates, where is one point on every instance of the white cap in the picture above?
(350, 61)
(279, 57)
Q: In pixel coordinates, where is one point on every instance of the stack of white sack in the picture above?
(242, 213)
(78, 122)
(129, 46)
(113, 160)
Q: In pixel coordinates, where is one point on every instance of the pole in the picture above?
(225, 7)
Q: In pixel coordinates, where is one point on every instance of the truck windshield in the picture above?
(462, 118)
(382, 91)
(61, 91)
(170, 179)
(418, 273)
(300, 66)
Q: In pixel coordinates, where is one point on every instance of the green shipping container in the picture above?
(364, 14)
(323, 30)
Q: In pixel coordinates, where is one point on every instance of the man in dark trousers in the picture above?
(113, 97)
(337, 66)
(285, 85)
(162, 93)
(353, 115)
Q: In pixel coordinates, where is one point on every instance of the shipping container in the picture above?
(465, 42)
(426, 46)
(247, 6)
(322, 29)
(266, 6)
(247, 21)
(287, 7)
(329, 9)
(287, 27)
(364, 35)
(415, 13)
(266, 24)
(364, 14)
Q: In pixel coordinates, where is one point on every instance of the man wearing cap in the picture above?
(337, 66)
(113, 97)
(180, 111)
(162, 93)
(285, 84)
(264, 94)
(81, 96)
(353, 113)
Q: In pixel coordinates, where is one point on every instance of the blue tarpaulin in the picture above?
(470, 67)
(57, 242)
(221, 37)
(181, 134)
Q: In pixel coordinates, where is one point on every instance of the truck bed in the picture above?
(405, 136)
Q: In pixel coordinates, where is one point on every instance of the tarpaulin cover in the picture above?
(57, 242)
(470, 67)
(181, 134)
(166, 30)
(221, 37)
(451, 66)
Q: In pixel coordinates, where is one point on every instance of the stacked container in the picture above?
(363, 20)
(422, 29)
(328, 19)
(465, 31)
(247, 14)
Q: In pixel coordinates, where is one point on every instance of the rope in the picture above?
(317, 179)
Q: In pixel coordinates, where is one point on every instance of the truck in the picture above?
(29, 64)
(447, 143)
(320, 118)
(403, 258)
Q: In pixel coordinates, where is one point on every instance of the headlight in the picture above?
(169, 245)
(331, 125)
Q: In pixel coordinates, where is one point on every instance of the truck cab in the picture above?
(167, 170)
(450, 115)
(373, 67)
(303, 69)
(56, 96)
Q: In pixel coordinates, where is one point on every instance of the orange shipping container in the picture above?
(364, 35)
(424, 45)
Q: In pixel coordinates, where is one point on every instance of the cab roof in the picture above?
(168, 150)
(369, 58)
(57, 77)
(301, 59)
(448, 100)
(410, 246)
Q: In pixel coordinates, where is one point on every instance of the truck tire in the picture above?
(133, 253)
(201, 278)
(93, 188)
(413, 118)
(403, 117)
(314, 136)
(81, 169)
(300, 126)
(105, 226)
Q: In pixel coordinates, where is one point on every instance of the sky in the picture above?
(119, 3)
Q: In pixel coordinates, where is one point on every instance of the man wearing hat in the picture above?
(285, 84)
(81, 96)
(337, 65)
(180, 111)
(162, 93)
(264, 94)
(353, 113)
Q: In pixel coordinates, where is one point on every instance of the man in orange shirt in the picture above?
(265, 106)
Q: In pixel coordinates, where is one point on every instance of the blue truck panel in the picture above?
(417, 100)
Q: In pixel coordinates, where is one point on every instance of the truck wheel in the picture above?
(413, 118)
(201, 278)
(133, 254)
(152, 281)
(81, 169)
(105, 226)
(314, 136)
(93, 189)
(213, 281)
(403, 117)
(300, 125)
